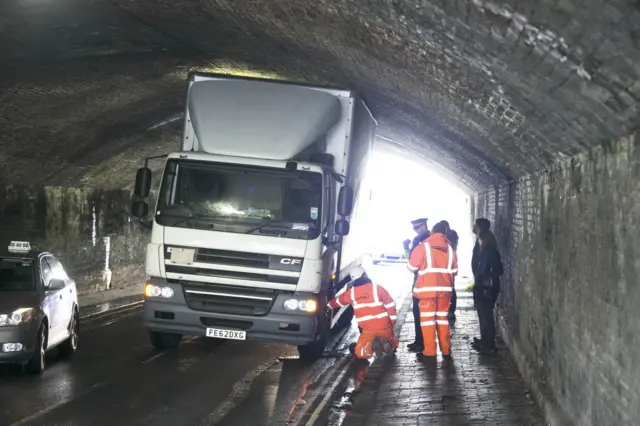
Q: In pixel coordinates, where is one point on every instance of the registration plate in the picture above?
(219, 333)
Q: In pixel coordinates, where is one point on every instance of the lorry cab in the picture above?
(246, 238)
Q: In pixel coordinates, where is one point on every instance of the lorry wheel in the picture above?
(312, 351)
(37, 362)
(163, 341)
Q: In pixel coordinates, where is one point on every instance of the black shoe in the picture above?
(415, 347)
(451, 317)
(426, 358)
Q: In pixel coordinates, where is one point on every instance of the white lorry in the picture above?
(251, 215)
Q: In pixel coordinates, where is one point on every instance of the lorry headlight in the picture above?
(305, 305)
(151, 290)
(17, 317)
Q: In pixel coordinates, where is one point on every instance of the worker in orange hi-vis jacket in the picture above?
(437, 265)
(375, 313)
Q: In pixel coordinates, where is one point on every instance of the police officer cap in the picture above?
(421, 221)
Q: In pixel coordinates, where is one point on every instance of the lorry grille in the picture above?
(241, 259)
(218, 273)
(234, 258)
(226, 299)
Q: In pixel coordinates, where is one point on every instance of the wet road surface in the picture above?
(116, 378)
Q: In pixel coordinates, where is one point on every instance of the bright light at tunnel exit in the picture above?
(401, 188)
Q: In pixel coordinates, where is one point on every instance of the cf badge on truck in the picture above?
(284, 263)
(287, 261)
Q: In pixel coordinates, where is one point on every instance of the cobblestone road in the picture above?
(471, 390)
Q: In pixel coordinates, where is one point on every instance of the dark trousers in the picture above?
(416, 322)
(486, 320)
(454, 301)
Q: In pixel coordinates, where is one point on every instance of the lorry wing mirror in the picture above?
(139, 208)
(342, 227)
(143, 182)
(345, 201)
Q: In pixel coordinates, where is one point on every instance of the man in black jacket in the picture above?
(481, 224)
(453, 238)
(422, 233)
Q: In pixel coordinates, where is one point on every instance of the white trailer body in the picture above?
(243, 236)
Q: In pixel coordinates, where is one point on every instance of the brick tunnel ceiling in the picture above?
(489, 91)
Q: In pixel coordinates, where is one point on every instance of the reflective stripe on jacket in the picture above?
(373, 307)
(436, 263)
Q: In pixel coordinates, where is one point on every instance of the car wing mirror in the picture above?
(56, 284)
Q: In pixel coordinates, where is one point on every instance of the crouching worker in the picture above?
(375, 313)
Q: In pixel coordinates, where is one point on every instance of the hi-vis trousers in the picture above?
(433, 321)
(364, 346)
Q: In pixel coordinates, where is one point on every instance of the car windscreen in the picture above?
(16, 274)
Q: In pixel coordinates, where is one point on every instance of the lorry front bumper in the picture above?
(24, 335)
(293, 329)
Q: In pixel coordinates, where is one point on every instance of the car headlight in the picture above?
(152, 290)
(17, 317)
(305, 305)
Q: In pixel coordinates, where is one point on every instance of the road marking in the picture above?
(57, 405)
(329, 394)
(238, 394)
(167, 121)
(156, 356)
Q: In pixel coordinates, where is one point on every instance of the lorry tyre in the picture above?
(312, 351)
(162, 341)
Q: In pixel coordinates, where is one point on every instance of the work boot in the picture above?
(387, 347)
(381, 346)
(352, 348)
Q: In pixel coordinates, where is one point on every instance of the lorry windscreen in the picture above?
(241, 198)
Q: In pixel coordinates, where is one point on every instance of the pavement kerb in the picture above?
(114, 310)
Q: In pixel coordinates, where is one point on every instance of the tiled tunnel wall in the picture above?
(571, 247)
(89, 230)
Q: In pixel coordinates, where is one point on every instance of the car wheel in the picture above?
(163, 341)
(37, 362)
(70, 345)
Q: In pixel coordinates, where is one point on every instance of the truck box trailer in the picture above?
(252, 212)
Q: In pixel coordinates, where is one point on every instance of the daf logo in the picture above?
(287, 261)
